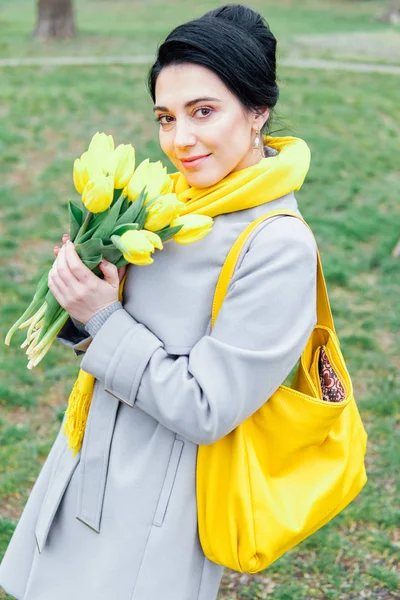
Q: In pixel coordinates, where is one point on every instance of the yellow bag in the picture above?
(293, 464)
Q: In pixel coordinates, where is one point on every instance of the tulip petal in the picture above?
(98, 194)
(194, 228)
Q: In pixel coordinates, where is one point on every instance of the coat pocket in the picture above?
(168, 483)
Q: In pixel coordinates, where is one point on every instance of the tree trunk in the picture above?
(392, 13)
(55, 19)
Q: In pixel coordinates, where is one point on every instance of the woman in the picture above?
(118, 520)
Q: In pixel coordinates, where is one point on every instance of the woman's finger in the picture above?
(56, 287)
(63, 270)
(80, 271)
(122, 271)
(56, 249)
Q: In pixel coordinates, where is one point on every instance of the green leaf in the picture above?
(89, 249)
(86, 236)
(120, 229)
(93, 261)
(75, 214)
(116, 240)
(95, 220)
(130, 215)
(52, 310)
(142, 217)
(111, 253)
(121, 262)
(125, 206)
(166, 234)
(98, 217)
(117, 195)
(108, 223)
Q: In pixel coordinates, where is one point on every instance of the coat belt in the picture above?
(63, 468)
(93, 461)
(95, 456)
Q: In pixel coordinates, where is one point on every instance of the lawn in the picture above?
(124, 27)
(350, 199)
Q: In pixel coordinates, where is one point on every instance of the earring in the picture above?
(257, 140)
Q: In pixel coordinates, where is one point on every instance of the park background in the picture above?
(348, 113)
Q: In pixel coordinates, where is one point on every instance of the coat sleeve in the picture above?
(74, 335)
(262, 328)
(78, 336)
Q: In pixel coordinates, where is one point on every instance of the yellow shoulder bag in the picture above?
(291, 466)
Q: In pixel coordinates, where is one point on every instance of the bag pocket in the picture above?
(314, 372)
(168, 483)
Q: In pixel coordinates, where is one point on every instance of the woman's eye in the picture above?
(204, 111)
(201, 112)
(164, 119)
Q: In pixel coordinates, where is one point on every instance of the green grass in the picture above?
(124, 27)
(350, 199)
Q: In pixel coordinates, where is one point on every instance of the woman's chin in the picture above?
(201, 180)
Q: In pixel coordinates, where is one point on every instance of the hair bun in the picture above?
(241, 16)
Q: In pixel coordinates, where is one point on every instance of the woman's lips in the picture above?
(191, 164)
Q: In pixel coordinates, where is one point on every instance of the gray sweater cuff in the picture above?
(95, 322)
(80, 326)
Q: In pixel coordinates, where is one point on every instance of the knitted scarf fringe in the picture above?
(77, 413)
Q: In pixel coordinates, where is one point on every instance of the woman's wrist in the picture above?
(93, 325)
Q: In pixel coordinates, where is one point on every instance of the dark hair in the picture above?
(233, 41)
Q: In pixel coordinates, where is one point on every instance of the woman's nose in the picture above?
(184, 135)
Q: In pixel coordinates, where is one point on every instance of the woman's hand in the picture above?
(79, 291)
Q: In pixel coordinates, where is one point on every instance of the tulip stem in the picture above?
(83, 227)
(53, 330)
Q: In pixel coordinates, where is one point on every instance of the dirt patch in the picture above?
(10, 507)
(232, 584)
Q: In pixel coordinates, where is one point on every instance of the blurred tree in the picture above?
(392, 13)
(55, 19)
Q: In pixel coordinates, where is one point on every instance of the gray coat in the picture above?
(119, 521)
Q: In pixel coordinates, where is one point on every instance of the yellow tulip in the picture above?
(98, 193)
(137, 182)
(158, 182)
(89, 167)
(101, 144)
(140, 245)
(96, 165)
(163, 211)
(194, 228)
(123, 165)
(80, 174)
(168, 185)
(153, 176)
(101, 159)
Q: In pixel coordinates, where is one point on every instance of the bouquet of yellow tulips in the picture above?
(123, 216)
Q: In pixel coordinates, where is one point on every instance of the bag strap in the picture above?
(324, 313)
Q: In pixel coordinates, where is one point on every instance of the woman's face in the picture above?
(200, 117)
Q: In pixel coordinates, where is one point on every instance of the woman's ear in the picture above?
(261, 117)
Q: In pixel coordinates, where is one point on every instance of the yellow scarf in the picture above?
(268, 180)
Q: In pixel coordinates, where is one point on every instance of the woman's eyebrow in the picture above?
(190, 103)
